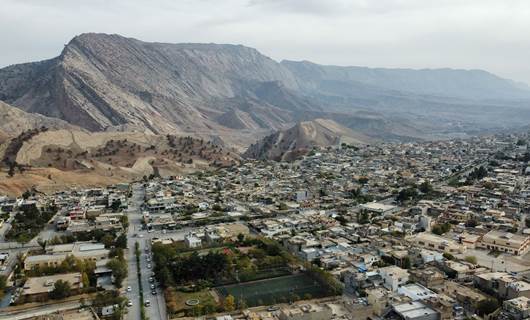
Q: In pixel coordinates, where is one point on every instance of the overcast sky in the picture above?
(468, 34)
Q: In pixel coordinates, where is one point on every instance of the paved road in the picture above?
(157, 310)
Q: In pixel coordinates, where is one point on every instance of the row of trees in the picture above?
(29, 222)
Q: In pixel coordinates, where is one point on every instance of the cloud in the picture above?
(478, 34)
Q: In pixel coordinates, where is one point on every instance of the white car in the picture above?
(140, 235)
(129, 289)
(129, 304)
(148, 266)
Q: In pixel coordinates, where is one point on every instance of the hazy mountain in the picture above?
(465, 84)
(296, 141)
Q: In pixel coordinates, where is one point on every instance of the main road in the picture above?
(157, 309)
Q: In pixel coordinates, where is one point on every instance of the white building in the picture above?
(393, 277)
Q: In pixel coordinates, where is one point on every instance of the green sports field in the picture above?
(274, 290)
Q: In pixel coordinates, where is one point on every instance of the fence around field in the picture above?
(275, 290)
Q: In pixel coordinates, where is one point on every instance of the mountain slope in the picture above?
(234, 94)
(14, 121)
(291, 143)
(464, 84)
(109, 82)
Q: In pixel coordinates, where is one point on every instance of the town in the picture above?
(418, 230)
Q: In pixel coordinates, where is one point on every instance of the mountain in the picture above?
(14, 121)
(235, 95)
(296, 141)
(463, 84)
(109, 82)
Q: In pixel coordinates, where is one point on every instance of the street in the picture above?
(157, 310)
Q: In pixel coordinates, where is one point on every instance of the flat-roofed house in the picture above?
(506, 242)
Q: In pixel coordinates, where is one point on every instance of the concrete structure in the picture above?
(55, 255)
(40, 286)
(517, 308)
(306, 312)
(393, 277)
(415, 311)
(506, 242)
(434, 242)
(416, 292)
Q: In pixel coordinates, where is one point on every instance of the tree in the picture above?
(241, 304)
(121, 241)
(240, 237)
(406, 263)
(119, 270)
(42, 243)
(363, 180)
(471, 223)
(230, 303)
(61, 289)
(407, 194)
(85, 280)
(426, 187)
(116, 204)
(3, 285)
(440, 229)
(471, 259)
(107, 240)
(486, 307)
(448, 256)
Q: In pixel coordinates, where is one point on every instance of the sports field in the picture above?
(275, 290)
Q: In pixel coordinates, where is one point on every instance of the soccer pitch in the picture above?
(274, 290)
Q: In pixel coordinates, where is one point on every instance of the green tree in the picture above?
(230, 303)
(440, 229)
(116, 204)
(121, 241)
(119, 270)
(406, 263)
(61, 289)
(471, 259)
(486, 307)
(3, 285)
(448, 256)
(85, 280)
(107, 240)
(426, 187)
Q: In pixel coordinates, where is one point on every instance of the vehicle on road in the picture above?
(152, 287)
(140, 235)
(147, 303)
(148, 266)
(129, 289)
(151, 279)
(129, 303)
(153, 292)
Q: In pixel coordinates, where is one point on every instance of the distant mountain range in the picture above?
(234, 95)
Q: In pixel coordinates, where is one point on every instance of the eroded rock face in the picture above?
(233, 93)
(108, 82)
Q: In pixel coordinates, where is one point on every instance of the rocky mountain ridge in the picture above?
(236, 95)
